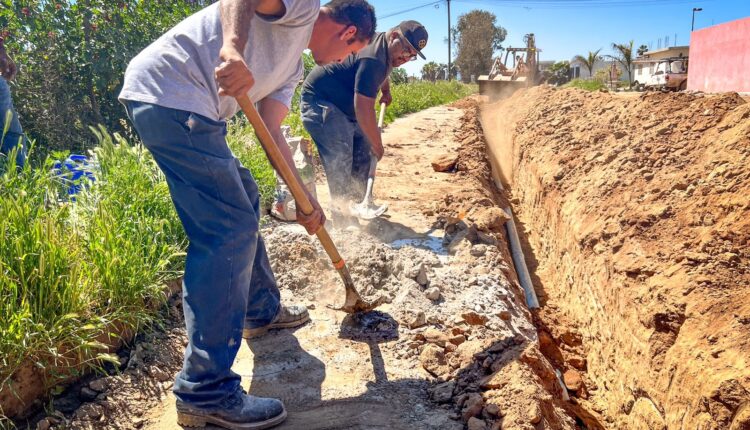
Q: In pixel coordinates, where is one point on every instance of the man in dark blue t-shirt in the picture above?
(338, 110)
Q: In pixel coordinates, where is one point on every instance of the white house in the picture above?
(579, 70)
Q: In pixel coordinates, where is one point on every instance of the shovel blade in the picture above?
(353, 302)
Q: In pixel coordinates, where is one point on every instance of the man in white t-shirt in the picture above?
(178, 92)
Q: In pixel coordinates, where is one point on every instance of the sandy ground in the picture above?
(329, 382)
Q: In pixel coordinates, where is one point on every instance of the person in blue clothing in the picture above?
(179, 92)
(338, 110)
(13, 137)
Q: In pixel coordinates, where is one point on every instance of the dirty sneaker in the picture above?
(288, 317)
(240, 411)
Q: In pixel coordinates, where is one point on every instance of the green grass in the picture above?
(586, 84)
(72, 272)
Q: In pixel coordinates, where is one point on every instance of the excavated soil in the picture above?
(454, 347)
(637, 219)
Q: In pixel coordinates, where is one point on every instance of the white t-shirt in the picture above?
(177, 70)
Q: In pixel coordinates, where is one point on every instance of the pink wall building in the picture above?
(720, 58)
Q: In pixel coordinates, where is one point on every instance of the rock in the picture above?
(486, 238)
(89, 410)
(504, 315)
(444, 162)
(432, 293)
(87, 394)
(433, 335)
(449, 347)
(99, 385)
(422, 278)
(478, 250)
(492, 409)
(459, 242)
(571, 338)
(534, 414)
(66, 404)
(578, 362)
(490, 219)
(442, 393)
(457, 339)
(545, 340)
(573, 380)
(473, 405)
(476, 424)
(44, 424)
(159, 374)
(473, 318)
(416, 319)
(433, 360)
(467, 350)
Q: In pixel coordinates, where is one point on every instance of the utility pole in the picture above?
(450, 75)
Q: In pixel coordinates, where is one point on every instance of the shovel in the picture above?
(367, 209)
(353, 302)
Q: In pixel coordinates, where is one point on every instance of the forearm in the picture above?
(273, 113)
(386, 87)
(365, 110)
(235, 21)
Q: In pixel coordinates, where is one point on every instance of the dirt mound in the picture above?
(638, 215)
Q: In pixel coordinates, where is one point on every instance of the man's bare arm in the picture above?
(233, 75)
(364, 108)
(385, 91)
(273, 113)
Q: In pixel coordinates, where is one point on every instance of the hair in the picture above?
(358, 13)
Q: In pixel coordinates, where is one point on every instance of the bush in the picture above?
(417, 96)
(72, 56)
(586, 84)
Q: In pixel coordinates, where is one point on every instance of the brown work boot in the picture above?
(288, 317)
(239, 411)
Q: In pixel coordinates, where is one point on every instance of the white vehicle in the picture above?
(662, 74)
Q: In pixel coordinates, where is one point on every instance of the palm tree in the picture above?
(430, 71)
(625, 57)
(589, 61)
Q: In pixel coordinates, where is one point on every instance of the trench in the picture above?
(623, 304)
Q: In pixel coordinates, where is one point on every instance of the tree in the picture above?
(624, 56)
(589, 61)
(559, 73)
(477, 38)
(399, 76)
(642, 50)
(430, 71)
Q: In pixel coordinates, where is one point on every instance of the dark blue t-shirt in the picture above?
(362, 73)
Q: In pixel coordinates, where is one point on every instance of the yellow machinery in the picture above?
(502, 81)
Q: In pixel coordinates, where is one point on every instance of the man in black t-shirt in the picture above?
(338, 110)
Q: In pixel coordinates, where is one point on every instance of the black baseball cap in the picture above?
(415, 34)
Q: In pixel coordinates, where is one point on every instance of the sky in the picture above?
(565, 28)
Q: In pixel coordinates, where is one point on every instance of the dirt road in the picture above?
(453, 347)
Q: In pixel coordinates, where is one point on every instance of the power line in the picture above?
(574, 4)
(391, 14)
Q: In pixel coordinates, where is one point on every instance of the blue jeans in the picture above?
(228, 279)
(14, 136)
(343, 148)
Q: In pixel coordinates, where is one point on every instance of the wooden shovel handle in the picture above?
(287, 174)
(382, 116)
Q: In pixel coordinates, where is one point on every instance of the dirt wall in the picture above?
(637, 219)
